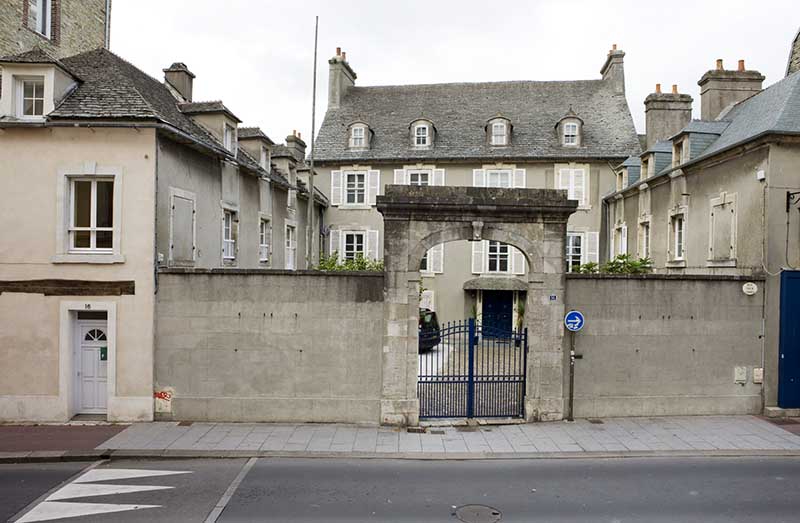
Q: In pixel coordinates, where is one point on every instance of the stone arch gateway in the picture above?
(418, 217)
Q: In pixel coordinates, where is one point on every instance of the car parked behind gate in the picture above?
(429, 336)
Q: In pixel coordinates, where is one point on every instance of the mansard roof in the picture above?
(460, 112)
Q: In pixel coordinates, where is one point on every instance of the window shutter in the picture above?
(265, 196)
(400, 177)
(335, 239)
(517, 261)
(478, 178)
(562, 179)
(592, 247)
(623, 241)
(519, 178)
(269, 239)
(336, 187)
(436, 259)
(374, 185)
(579, 186)
(438, 177)
(372, 245)
(477, 257)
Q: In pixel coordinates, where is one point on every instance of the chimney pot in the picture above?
(338, 51)
(344, 56)
(674, 88)
(719, 64)
(741, 65)
(658, 88)
(614, 47)
(300, 135)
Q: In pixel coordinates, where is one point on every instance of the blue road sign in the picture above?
(573, 321)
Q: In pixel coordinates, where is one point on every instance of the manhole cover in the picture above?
(478, 514)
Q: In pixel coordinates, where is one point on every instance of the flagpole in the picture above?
(311, 212)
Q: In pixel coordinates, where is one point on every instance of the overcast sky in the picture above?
(257, 56)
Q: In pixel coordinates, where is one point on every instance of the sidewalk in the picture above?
(615, 437)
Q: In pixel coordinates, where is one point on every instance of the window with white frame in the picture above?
(291, 247)
(264, 159)
(621, 239)
(39, 12)
(91, 225)
(264, 240)
(354, 245)
(678, 237)
(498, 178)
(575, 181)
(358, 136)
(421, 135)
(30, 97)
(229, 137)
(425, 263)
(570, 133)
(419, 177)
(575, 250)
(499, 133)
(498, 257)
(433, 261)
(722, 230)
(355, 188)
(229, 234)
(644, 240)
(291, 198)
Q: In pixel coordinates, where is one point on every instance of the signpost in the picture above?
(574, 322)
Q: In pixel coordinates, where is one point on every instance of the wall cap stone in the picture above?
(701, 277)
(266, 272)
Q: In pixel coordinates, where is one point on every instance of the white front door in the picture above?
(91, 361)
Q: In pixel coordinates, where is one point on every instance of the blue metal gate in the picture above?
(474, 372)
(789, 360)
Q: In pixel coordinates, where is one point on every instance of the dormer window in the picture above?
(39, 16)
(30, 101)
(421, 135)
(570, 133)
(359, 135)
(264, 159)
(499, 133)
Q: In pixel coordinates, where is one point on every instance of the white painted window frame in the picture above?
(229, 137)
(19, 88)
(425, 136)
(499, 137)
(63, 252)
(644, 238)
(290, 245)
(499, 255)
(675, 260)
(722, 203)
(497, 174)
(264, 239)
(363, 190)
(92, 229)
(230, 242)
(570, 251)
(570, 138)
(265, 158)
(354, 233)
(358, 137)
(434, 261)
(42, 18)
(419, 172)
(565, 180)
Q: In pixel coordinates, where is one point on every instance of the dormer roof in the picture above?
(251, 133)
(569, 114)
(212, 107)
(38, 56)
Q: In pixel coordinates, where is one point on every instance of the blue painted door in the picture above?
(789, 359)
(497, 314)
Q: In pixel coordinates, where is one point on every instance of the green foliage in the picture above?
(622, 264)
(360, 263)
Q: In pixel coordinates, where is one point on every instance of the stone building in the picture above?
(553, 134)
(793, 64)
(716, 196)
(108, 175)
(61, 27)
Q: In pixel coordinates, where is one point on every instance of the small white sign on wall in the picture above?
(750, 288)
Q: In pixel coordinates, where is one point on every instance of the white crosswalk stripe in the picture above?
(53, 507)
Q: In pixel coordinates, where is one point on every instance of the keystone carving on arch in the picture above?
(477, 230)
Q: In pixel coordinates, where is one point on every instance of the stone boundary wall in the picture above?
(268, 346)
(666, 344)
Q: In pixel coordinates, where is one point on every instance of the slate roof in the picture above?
(248, 162)
(252, 132)
(281, 151)
(661, 146)
(113, 88)
(705, 127)
(631, 161)
(776, 109)
(37, 56)
(459, 112)
(215, 106)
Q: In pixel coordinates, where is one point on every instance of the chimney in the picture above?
(720, 88)
(613, 69)
(340, 78)
(666, 114)
(296, 146)
(181, 78)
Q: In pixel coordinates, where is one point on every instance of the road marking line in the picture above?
(81, 487)
(223, 501)
(115, 474)
(50, 510)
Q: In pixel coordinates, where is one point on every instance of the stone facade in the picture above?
(76, 26)
(793, 65)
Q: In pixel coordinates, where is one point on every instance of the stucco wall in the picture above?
(270, 346)
(662, 345)
(35, 382)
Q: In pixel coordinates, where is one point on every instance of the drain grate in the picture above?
(783, 421)
(416, 430)
(438, 432)
(478, 514)
(596, 421)
(185, 424)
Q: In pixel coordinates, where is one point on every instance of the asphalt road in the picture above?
(317, 490)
